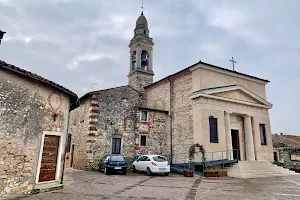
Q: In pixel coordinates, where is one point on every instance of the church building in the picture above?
(225, 111)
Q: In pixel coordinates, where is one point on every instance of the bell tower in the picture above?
(141, 61)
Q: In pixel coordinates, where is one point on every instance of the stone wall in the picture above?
(138, 80)
(158, 96)
(156, 131)
(111, 113)
(78, 129)
(182, 116)
(24, 114)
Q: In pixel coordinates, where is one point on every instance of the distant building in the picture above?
(286, 150)
(34, 116)
(223, 110)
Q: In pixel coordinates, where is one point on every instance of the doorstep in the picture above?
(47, 186)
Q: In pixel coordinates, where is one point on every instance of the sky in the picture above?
(77, 43)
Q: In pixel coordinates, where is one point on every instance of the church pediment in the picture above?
(234, 93)
(237, 95)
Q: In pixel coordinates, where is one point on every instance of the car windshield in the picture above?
(116, 158)
(159, 159)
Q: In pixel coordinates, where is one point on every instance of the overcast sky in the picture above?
(80, 42)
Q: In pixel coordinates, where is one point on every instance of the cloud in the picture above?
(90, 57)
(235, 21)
(89, 42)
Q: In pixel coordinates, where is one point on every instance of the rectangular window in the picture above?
(144, 116)
(213, 130)
(116, 146)
(263, 138)
(143, 140)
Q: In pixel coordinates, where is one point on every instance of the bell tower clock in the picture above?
(141, 61)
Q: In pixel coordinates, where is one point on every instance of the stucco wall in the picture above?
(263, 152)
(204, 78)
(25, 112)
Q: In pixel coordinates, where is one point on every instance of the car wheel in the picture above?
(106, 171)
(124, 172)
(133, 169)
(166, 174)
(149, 172)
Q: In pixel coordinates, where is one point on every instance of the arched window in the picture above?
(145, 60)
(133, 61)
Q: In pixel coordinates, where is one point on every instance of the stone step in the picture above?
(47, 187)
(253, 169)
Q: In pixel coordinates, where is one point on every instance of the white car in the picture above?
(157, 164)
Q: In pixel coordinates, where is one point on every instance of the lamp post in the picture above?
(1, 35)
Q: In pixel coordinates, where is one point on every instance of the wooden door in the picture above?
(49, 158)
(235, 144)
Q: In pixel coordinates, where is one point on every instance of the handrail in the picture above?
(211, 157)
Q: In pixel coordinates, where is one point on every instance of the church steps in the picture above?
(257, 169)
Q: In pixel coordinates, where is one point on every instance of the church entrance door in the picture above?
(235, 144)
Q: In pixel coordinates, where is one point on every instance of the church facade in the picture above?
(223, 110)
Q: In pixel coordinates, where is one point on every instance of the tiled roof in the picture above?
(34, 76)
(291, 141)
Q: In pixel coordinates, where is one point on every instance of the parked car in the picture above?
(111, 163)
(157, 164)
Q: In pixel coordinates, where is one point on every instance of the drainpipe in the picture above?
(170, 115)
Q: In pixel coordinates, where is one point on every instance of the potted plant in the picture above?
(210, 173)
(222, 173)
(189, 172)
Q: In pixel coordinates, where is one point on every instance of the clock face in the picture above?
(55, 101)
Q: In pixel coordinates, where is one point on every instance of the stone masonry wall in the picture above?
(24, 115)
(158, 96)
(138, 80)
(156, 131)
(111, 113)
(78, 129)
(182, 116)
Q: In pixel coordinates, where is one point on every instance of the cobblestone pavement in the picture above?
(95, 185)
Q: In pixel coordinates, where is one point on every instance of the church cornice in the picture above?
(141, 41)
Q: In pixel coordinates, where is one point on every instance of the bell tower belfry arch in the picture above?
(141, 56)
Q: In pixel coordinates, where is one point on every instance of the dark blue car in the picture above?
(114, 162)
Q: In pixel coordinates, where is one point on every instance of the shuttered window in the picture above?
(213, 130)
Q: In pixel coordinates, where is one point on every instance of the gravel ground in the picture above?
(94, 185)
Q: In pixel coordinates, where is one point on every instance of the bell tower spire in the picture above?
(141, 52)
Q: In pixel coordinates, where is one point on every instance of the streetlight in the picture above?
(1, 35)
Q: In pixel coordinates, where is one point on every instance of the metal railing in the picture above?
(211, 158)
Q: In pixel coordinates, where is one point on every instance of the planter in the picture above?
(210, 174)
(222, 173)
(188, 173)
